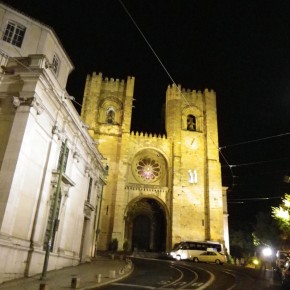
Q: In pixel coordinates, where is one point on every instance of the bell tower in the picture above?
(107, 105)
(191, 125)
(107, 110)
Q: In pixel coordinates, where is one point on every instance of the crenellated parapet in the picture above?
(117, 87)
(107, 101)
(187, 95)
(148, 135)
(140, 140)
(113, 85)
(173, 92)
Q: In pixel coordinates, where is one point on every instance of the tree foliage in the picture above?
(241, 243)
(266, 232)
(281, 215)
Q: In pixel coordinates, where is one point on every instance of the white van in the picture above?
(188, 250)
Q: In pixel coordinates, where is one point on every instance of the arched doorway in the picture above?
(141, 232)
(146, 226)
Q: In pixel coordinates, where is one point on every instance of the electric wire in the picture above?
(256, 162)
(230, 166)
(145, 39)
(255, 140)
(256, 198)
(159, 60)
(244, 200)
(62, 91)
(4, 53)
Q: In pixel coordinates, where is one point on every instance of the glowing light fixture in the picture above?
(267, 252)
(256, 262)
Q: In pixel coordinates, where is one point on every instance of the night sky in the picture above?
(240, 49)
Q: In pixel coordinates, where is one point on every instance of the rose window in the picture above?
(148, 169)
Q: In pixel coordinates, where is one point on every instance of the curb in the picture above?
(122, 272)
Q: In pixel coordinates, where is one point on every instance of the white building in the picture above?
(37, 124)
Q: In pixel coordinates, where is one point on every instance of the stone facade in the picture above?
(161, 189)
(43, 204)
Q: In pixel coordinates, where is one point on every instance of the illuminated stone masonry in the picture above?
(178, 175)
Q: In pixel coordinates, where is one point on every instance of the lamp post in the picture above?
(54, 210)
(266, 257)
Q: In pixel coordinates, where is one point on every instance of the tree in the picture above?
(281, 215)
(241, 243)
(266, 232)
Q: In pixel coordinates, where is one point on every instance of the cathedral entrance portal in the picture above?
(146, 226)
(141, 233)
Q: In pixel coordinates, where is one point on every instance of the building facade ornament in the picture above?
(60, 133)
(77, 156)
(31, 102)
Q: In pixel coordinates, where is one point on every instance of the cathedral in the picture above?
(71, 184)
(160, 189)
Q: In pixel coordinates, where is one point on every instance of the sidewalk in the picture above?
(102, 270)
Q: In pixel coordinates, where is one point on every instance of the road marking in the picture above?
(175, 281)
(164, 282)
(133, 285)
(209, 282)
(197, 284)
(182, 284)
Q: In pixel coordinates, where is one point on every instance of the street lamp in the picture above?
(267, 252)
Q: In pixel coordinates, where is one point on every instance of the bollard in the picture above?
(75, 282)
(112, 274)
(43, 286)
(99, 277)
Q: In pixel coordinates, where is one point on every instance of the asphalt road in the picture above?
(166, 274)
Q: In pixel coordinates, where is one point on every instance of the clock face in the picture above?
(147, 167)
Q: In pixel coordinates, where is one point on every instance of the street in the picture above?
(165, 274)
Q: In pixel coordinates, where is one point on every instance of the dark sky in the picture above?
(240, 49)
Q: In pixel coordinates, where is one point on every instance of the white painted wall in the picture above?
(36, 116)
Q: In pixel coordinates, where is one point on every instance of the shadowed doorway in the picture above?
(141, 233)
(146, 226)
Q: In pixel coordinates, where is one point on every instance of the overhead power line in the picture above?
(256, 162)
(244, 200)
(255, 140)
(159, 60)
(235, 166)
(255, 198)
(145, 39)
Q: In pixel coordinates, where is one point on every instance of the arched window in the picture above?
(191, 123)
(110, 116)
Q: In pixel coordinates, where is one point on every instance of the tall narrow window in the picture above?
(191, 123)
(14, 33)
(65, 157)
(89, 190)
(110, 118)
(52, 224)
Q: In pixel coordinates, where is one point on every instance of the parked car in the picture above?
(281, 259)
(285, 275)
(211, 257)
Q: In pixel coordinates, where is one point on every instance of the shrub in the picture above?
(125, 246)
(113, 245)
